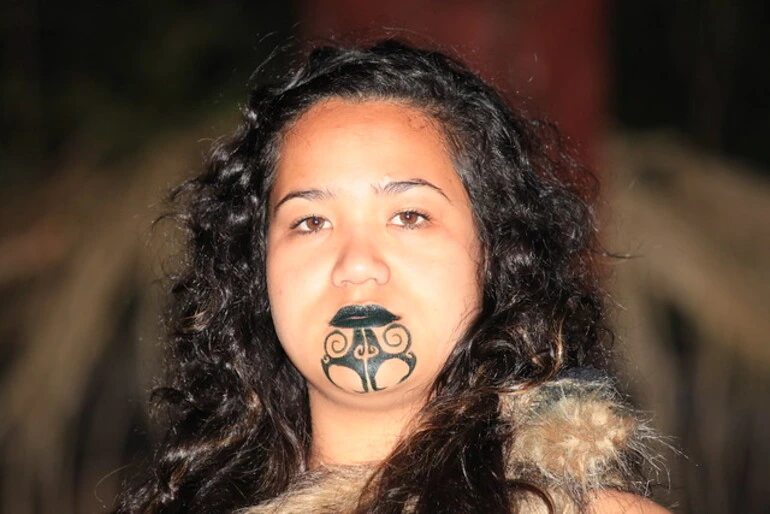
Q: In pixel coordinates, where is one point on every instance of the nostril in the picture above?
(358, 264)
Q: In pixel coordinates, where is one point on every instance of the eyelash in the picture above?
(424, 215)
(295, 226)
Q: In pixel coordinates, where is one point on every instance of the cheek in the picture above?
(446, 288)
(275, 285)
(462, 287)
(284, 271)
(280, 285)
(296, 286)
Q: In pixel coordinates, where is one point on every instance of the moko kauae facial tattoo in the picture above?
(368, 342)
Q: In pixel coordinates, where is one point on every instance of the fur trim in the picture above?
(575, 435)
(572, 435)
(327, 491)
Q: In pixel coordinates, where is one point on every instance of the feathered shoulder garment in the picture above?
(574, 435)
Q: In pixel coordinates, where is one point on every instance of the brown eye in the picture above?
(409, 219)
(312, 224)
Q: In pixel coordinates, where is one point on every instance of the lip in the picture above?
(362, 316)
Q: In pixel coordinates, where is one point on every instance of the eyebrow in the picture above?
(308, 194)
(391, 188)
(404, 185)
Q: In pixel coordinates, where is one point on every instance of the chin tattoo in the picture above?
(365, 338)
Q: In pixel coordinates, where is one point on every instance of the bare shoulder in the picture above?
(615, 502)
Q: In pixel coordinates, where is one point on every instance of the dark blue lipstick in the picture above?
(362, 316)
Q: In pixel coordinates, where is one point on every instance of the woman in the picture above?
(390, 305)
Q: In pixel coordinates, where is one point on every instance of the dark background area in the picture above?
(105, 105)
(698, 67)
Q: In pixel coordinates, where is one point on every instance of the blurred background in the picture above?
(106, 105)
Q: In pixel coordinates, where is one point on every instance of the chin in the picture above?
(409, 394)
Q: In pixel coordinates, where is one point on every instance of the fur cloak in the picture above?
(574, 435)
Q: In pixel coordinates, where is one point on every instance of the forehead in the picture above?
(379, 140)
(368, 117)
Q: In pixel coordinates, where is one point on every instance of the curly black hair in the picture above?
(240, 430)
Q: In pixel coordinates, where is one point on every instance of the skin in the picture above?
(614, 502)
(367, 209)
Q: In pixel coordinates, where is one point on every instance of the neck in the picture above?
(349, 435)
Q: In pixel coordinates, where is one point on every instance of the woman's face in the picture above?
(373, 257)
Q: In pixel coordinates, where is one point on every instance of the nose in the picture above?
(360, 260)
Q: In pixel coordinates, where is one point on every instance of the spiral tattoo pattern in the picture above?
(365, 354)
(396, 338)
(335, 345)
